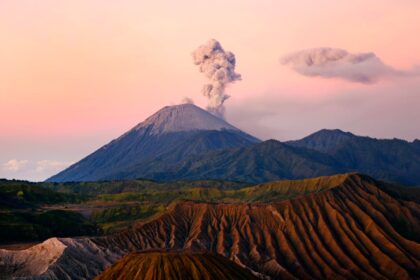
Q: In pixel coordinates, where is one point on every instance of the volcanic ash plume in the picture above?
(187, 100)
(219, 67)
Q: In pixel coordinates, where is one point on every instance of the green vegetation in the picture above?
(22, 194)
(23, 219)
(267, 192)
(35, 211)
(117, 218)
(24, 226)
(141, 185)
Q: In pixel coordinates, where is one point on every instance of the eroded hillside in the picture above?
(174, 266)
(351, 228)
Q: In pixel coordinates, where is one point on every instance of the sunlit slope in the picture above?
(355, 230)
(174, 266)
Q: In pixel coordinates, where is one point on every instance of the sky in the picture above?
(76, 74)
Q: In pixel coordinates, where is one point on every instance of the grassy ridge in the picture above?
(117, 218)
(141, 185)
(154, 200)
(267, 192)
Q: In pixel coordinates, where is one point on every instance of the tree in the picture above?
(20, 194)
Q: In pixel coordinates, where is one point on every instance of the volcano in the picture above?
(168, 136)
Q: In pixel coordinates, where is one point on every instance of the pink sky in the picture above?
(76, 74)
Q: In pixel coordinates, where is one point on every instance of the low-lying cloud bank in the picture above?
(14, 165)
(35, 170)
(364, 68)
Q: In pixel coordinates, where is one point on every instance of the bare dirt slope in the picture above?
(175, 266)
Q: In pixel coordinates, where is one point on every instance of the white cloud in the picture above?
(15, 165)
(51, 165)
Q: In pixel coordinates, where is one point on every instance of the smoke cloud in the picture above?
(187, 100)
(218, 66)
(337, 63)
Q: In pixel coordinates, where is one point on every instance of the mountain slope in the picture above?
(174, 266)
(339, 227)
(266, 161)
(388, 159)
(169, 135)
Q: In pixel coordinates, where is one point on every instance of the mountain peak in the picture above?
(324, 139)
(184, 117)
(332, 132)
(171, 135)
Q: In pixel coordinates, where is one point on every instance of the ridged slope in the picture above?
(355, 230)
(174, 266)
(261, 162)
(343, 227)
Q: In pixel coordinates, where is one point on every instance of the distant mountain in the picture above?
(388, 159)
(175, 266)
(170, 135)
(326, 152)
(324, 140)
(416, 145)
(187, 142)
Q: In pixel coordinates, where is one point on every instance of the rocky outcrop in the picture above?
(58, 258)
(32, 261)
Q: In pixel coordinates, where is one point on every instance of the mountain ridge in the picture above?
(390, 159)
(395, 160)
(187, 142)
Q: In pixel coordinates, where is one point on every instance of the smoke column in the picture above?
(219, 67)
